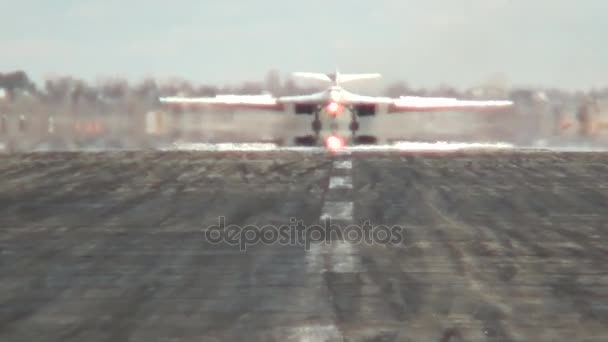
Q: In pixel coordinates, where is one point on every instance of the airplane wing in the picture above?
(266, 102)
(355, 99)
(263, 102)
(421, 104)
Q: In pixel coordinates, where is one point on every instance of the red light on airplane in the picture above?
(334, 143)
(333, 108)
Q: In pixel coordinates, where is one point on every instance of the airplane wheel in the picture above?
(308, 140)
(354, 126)
(365, 140)
(316, 125)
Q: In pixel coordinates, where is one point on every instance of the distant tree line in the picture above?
(67, 89)
(58, 90)
(15, 82)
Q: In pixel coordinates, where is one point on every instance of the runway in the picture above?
(493, 244)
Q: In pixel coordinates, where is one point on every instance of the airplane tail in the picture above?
(336, 78)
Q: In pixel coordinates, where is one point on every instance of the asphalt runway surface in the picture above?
(493, 246)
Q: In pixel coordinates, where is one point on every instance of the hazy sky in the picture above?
(423, 42)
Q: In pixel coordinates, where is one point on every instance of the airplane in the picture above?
(333, 101)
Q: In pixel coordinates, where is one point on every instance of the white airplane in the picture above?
(333, 101)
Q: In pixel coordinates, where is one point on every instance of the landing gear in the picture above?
(365, 140)
(307, 140)
(354, 124)
(311, 139)
(335, 128)
(316, 125)
(354, 127)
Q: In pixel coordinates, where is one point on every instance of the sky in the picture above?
(463, 43)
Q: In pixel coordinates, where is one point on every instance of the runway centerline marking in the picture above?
(343, 164)
(339, 182)
(338, 211)
(336, 257)
(315, 333)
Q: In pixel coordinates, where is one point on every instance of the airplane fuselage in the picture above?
(335, 110)
(335, 94)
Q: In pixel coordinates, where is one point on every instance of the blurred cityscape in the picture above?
(68, 113)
